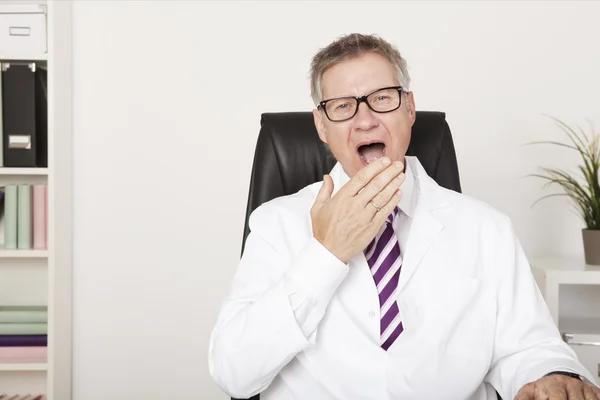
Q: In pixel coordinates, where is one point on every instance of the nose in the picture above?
(365, 118)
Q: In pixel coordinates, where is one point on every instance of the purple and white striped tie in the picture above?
(383, 256)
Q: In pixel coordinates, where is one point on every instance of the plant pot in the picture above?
(591, 246)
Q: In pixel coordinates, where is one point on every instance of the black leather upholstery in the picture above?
(289, 156)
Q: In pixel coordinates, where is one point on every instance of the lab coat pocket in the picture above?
(455, 334)
(458, 315)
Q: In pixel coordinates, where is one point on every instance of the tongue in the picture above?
(372, 152)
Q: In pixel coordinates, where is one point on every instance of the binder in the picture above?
(24, 115)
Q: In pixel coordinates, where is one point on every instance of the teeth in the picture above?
(370, 160)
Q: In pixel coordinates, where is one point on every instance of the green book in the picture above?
(1, 124)
(23, 314)
(24, 329)
(24, 217)
(10, 216)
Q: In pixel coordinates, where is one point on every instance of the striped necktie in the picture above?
(383, 256)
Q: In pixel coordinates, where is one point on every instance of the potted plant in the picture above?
(585, 195)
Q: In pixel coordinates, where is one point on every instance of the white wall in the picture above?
(162, 164)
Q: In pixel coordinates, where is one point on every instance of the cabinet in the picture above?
(571, 290)
(43, 276)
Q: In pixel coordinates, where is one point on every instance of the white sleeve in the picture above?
(528, 344)
(273, 310)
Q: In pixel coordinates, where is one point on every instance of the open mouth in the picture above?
(371, 151)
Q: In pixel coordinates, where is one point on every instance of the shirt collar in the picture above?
(408, 202)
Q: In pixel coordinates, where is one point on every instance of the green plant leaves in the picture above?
(585, 195)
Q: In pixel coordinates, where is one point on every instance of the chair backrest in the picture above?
(289, 155)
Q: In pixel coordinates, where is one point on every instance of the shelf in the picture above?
(567, 270)
(22, 253)
(23, 366)
(23, 57)
(23, 171)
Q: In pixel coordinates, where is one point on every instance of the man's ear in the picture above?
(320, 125)
(411, 108)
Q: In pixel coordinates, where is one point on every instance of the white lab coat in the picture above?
(299, 324)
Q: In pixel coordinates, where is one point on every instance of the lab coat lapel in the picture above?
(425, 228)
(423, 232)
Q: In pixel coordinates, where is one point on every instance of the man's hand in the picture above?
(559, 387)
(347, 222)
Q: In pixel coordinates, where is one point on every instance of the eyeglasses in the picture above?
(344, 108)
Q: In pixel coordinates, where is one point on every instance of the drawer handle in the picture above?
(19, 31)
(568, 338)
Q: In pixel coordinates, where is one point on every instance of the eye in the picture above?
(343, 106)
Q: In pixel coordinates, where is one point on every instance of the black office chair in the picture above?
(289, 156)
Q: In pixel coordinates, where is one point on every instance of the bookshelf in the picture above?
(31, 277)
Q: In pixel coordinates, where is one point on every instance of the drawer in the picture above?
(23, 29)
(587, 348)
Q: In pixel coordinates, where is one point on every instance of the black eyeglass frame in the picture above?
(361, 99)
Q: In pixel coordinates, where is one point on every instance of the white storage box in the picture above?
(22, 30)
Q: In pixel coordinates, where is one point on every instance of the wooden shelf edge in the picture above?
(23, 366)
(4, 253)
(23, 171)
(23, 57)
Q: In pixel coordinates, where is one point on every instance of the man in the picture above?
(377, 283)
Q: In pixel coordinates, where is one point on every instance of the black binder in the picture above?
(24, 114)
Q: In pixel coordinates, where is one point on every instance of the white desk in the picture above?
(581, 330)
(550, 273)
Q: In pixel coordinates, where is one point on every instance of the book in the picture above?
(24, 225)
(39, 209)
(23, 340)
(23, 353)
(23, 314)
(1, 204)
(1, 130)
(10, 216)
(36, 328)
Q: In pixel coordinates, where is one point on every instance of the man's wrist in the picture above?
(570, 374)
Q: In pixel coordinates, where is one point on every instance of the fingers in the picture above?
(324, 193)
(373, 190)
(575, 392)
(591, 392)
(364, 176)
(383, 212)
(384, 196)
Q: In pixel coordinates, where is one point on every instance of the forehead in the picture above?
(358, 76)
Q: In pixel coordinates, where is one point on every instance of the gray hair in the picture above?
(350, 46)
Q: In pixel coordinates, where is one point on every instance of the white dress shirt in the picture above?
(300, 324)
